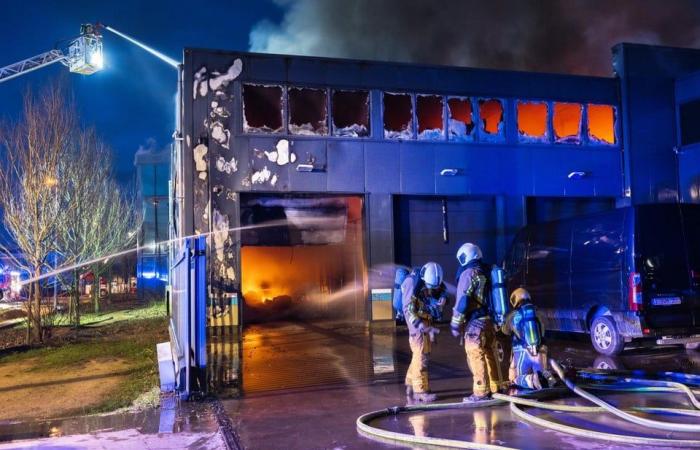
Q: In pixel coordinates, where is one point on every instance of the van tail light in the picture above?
(635, 292)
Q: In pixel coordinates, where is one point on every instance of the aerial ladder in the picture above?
(82, 55)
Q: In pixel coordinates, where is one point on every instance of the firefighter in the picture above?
(423, 294)
(528, 366)
(472, 308)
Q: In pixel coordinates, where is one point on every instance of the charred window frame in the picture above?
(567, 122)
(461, 119)
(430, 117)
(492, 119)
(601, 124)
(263, 108)
(533, 118)
(397, 115)
(308, 111)
(350, 113)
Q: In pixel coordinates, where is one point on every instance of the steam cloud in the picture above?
(569, 36)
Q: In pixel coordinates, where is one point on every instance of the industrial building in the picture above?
(311, 179)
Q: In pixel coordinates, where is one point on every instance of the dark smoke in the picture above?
(569, 36)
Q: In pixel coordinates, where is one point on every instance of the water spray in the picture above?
(70, 267)
(151, 50)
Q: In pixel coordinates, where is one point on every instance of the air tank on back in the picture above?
(499, 297)
(399, 277)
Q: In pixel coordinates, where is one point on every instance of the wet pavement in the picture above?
(294, 412)
(175, 425)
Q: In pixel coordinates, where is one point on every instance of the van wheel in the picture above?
(604, 336)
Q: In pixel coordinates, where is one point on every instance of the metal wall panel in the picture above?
(451, 157)
(417, 168)
(309, 151)
(382, 167)
(346, 166)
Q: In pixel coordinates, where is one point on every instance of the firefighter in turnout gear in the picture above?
(528, 366)
(472, 308)
(423, 294)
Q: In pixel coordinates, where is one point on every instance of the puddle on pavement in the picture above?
(171, 417)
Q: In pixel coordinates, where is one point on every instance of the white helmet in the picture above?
(467, 253)
(431, 274)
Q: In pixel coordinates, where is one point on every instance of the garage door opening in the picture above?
(303, 284)
(310, 268)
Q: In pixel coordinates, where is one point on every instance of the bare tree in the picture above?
(30, 182)
(99, 219)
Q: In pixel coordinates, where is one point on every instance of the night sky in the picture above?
(131, 102)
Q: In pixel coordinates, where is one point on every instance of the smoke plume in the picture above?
(569, 36)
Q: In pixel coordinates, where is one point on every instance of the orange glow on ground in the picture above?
(491, 115)
(566, 121)
(601, 123)
(532, 119)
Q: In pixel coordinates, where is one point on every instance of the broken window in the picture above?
(601, 124)
(262, 108)
(532, 121)
(398, 116)
(566, 122)
(461, 119)
(491, 119)
(350, 113)
(430, 114)
(308, 111)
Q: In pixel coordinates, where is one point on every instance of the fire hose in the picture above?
(365, 429)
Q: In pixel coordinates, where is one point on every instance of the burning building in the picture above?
(313, 178)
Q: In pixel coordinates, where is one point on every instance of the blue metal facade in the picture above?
(379, 168)
(508, 180)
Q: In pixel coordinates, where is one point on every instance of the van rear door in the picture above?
(662, 258)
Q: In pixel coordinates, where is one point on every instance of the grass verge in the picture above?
(125, 339)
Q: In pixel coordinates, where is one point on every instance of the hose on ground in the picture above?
(367, 430)
(669, 385)
(612, 437)
(667, 426)
(588, 409)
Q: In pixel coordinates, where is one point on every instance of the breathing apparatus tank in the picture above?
(530, 328)
(499, 297)
(397, 301)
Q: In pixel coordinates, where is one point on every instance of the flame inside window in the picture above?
(601, 123)
(461, 118)
(398, 116)
(430, 115)
(491, 116)
(532, 120)
(262, 108)
(566, 122)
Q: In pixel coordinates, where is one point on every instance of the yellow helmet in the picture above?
(518, 296)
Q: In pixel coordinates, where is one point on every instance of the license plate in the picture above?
(665, 301)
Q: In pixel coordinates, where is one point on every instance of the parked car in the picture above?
(627, 274)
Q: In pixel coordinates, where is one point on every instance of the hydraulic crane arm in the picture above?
(30, 64)
(83, 55)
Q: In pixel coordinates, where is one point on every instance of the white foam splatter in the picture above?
(224, 79)
(220, 134)
(200, 152)
(261, 176)
(198, 82)
(226, 166)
